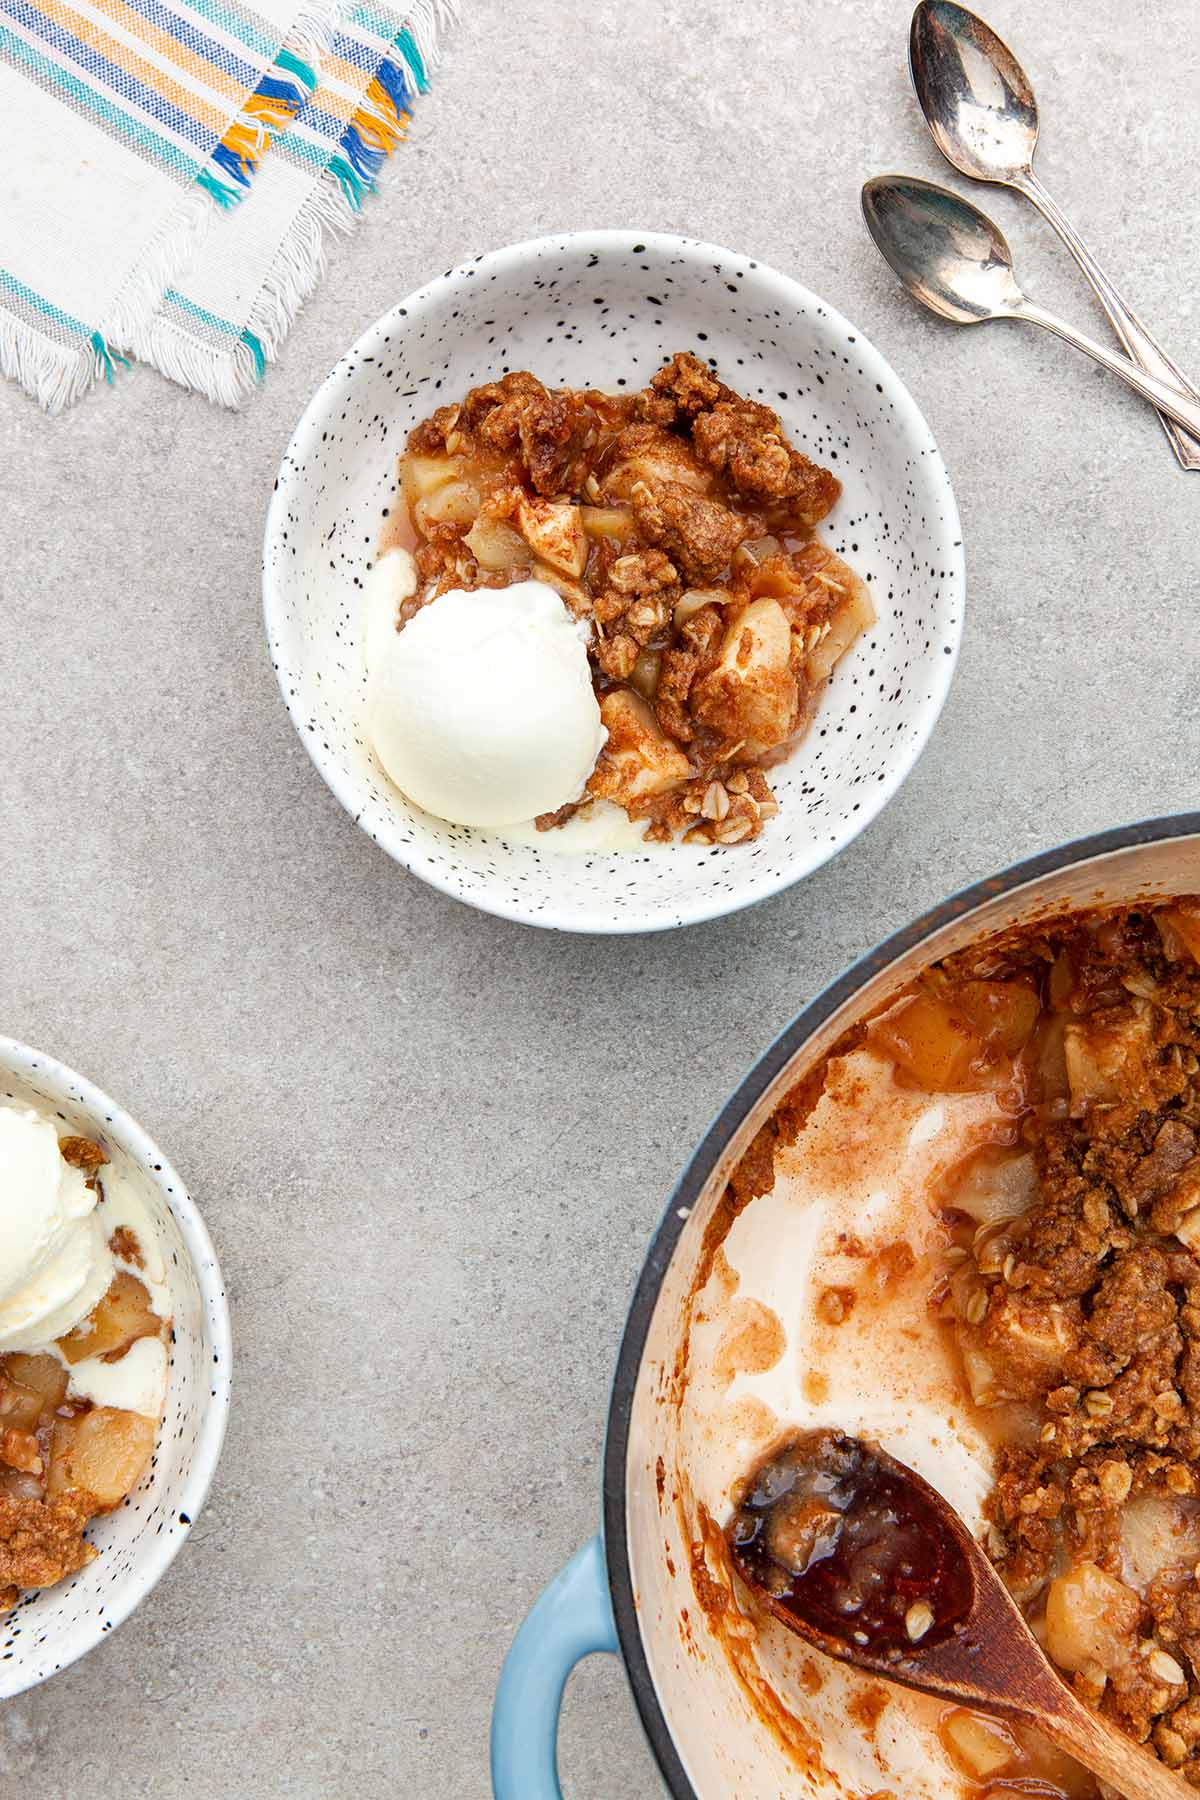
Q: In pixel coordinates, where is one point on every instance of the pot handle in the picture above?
(572, 1619)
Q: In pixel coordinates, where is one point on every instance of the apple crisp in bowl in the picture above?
(114, 1365)
(676, 525)
(739, 467)
(81, 1397)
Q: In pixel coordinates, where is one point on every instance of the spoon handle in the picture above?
(1144, 349)
(1116, 1759)
(1170, 400)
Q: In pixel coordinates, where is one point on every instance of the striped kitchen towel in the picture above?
(172, 169)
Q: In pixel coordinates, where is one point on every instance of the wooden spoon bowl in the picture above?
(861, 1557)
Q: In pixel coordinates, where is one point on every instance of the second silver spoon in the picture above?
(956, 261)
(981, 112)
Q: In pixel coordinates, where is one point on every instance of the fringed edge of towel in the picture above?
(58, 374)
(354, 171)
(229, 376)
(285, 89)
(53, 374)
(172, 247)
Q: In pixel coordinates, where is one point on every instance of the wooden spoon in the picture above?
(856, 1553)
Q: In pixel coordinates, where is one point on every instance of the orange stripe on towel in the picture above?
(211, 74)
(185, 98)
(385, 126)
(345, 106)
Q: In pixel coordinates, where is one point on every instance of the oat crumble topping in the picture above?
(1074, 1296)
(677, 522)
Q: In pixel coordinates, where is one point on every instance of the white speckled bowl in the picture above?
(56, 1626)
(605, 308)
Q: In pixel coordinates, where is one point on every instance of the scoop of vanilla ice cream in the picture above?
(388, 583)
(481, 710)
(54, 1261)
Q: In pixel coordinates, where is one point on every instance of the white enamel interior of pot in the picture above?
(51, 1628)
(725, 1745)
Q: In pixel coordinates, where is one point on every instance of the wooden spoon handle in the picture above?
(1115, 1758)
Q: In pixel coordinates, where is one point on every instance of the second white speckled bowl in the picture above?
(604, 309)
(137, 1542)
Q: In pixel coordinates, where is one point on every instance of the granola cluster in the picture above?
(41, 1542)
(677, 522)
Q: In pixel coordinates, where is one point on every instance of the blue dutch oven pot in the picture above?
(593, 1604)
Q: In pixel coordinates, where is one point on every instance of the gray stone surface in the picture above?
(431, 1145)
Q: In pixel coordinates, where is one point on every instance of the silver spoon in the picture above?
(954, 260)
(980, 109)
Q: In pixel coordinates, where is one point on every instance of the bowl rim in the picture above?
(691, 1184)
(717, 902)
(125, 1596)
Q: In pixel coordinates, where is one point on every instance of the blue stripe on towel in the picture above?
(118, 123)
(111, 75)
(11, 285)
(184, 31)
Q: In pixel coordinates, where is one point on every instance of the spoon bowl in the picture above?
(956, 261)
(976, 97)
(949, 255)
(979, 106)
(862, 1558)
